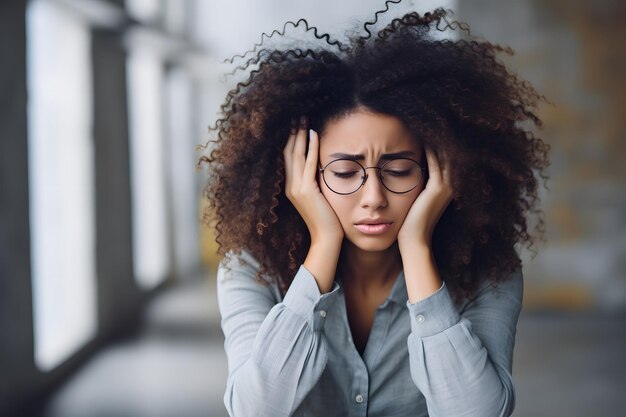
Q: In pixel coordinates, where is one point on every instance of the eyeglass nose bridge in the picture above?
(364, 177)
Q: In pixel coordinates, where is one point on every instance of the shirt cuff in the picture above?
(304, 298)
(433, 314)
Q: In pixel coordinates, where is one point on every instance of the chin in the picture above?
(372, 244)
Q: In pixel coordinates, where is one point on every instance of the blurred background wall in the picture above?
(574, 53)
(103, 103)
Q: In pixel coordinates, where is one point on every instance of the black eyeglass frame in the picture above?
(365, 175)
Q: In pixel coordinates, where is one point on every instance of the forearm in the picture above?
(420, 271)
(462, 363)
(321, 262)
(287, 359)
(276, 352)
(454, 372)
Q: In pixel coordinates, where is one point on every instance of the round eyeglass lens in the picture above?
(345, 176)
(401, 175)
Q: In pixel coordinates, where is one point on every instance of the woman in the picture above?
(368, 198)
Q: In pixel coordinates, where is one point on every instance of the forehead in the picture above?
(364, 132)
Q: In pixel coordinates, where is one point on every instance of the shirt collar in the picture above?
(398, 292)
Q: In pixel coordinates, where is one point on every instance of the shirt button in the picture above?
(359, 399)
(420, 318)
(323, 313)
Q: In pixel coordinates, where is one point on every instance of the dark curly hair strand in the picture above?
(458, 96)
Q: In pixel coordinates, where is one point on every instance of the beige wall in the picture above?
(573, 51)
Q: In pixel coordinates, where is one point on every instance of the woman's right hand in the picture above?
(303, 191)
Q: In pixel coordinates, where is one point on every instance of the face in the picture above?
(369, 136)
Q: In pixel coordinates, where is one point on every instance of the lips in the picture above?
(373, 221)
(373, 226)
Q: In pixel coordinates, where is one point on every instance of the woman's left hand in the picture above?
(420, 222)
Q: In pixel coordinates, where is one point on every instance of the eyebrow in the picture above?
(360, 157)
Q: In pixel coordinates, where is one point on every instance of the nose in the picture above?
(373, 191)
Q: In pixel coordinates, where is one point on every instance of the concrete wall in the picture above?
(574, 53)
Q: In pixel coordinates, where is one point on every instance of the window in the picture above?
(150, 237)
(181, 160)
(61, 181)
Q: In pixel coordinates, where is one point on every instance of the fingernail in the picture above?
(311, 132)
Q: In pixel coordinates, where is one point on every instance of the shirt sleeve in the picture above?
(462, 362)
(276, 350)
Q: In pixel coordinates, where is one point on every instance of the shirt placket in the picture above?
(359, 389)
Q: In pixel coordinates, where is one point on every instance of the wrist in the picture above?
(321, 262)
(415, 246)
(420, 272)
(327, 241)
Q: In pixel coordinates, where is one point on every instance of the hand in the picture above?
(420, 222)
(302, 189)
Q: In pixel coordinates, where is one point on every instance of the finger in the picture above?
(434, 171)
(290, 141)
(446, 169)
(300, 145)
(310, 165)
(298, 157)
(287, 156)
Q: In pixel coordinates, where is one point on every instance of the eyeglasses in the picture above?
(346, 176)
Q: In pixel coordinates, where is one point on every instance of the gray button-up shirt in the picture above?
(295, 356)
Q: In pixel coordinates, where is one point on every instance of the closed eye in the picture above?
(347, 174)
(396, 173)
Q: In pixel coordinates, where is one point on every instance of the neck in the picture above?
(369, 271)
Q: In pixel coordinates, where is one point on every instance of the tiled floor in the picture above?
(565, 365)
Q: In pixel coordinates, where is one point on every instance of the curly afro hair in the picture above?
(454, 92)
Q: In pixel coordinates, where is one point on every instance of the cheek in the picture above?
(340, 204)
(408, 201)
(325, 190)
